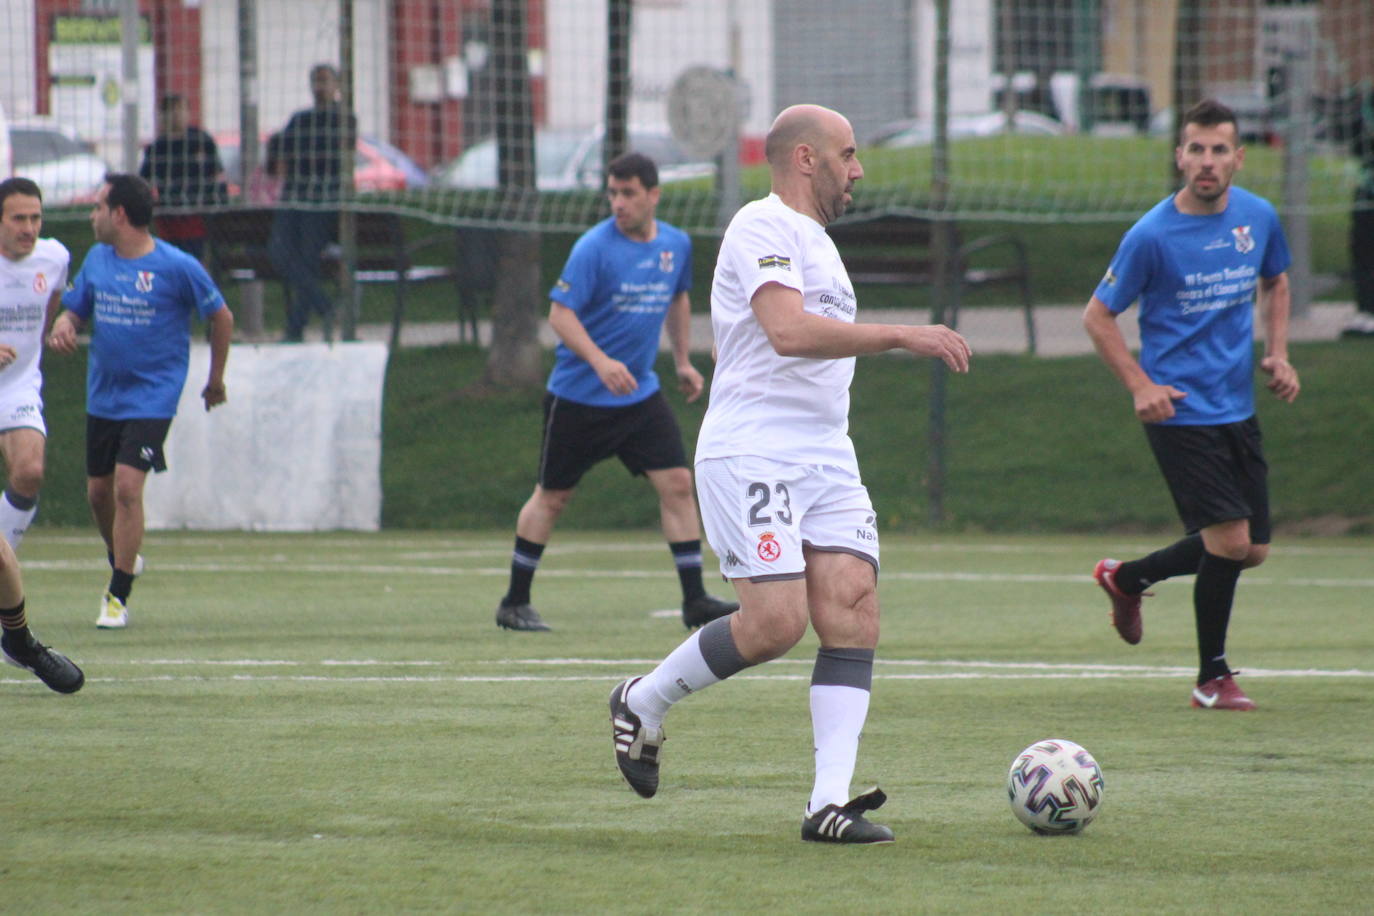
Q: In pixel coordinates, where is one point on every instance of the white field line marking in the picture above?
(502, 572)
(605, 679)
(984, 670)
(478, 546)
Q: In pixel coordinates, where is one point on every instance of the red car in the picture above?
(377, 166)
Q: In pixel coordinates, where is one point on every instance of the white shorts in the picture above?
(21, 409)
(758, 513)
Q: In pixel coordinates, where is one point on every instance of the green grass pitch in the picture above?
(332, 723)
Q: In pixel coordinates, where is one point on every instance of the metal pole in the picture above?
(943, 250)
(727, 163)
(348, 240)
(249, 314)
(128, 47)
(248, 91)
(1300, 63)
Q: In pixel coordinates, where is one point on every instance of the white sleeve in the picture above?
(765, 249)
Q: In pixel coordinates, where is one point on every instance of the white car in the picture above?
(566, 159)
(65, 168)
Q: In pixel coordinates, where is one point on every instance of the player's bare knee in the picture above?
(553, 502)
(1257, 555)
(763, 634)
(26, 479)
(674, 485)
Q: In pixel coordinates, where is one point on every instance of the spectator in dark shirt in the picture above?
(309, 157)
(183, 167)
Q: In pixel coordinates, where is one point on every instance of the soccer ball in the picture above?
(1055, 786)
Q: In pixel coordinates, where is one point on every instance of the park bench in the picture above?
(238, 250)
(897, 250)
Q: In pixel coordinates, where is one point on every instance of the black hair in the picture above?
(133, 194)
(634, 165)
(1209, 113)
(18, 185)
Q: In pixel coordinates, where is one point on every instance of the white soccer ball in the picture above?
(1055, 786)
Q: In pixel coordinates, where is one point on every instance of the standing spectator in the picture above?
(1195, 262)
(1362, 215)
(309, 154)
(183, 167)
(627, 277)
(33, 274)
(137, 293)
(781, 497)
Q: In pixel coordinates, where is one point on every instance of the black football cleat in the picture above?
(845, 823)
(52, 668)
(638, 749)
(705, 608)
(519, 617)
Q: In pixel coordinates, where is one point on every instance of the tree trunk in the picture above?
(517, 300)
(514, 360)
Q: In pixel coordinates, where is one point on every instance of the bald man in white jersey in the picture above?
(777, 479)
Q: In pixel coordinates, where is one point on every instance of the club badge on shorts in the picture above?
(769, 548)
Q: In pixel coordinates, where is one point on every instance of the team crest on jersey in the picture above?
(665, 261)
(40, 283)
(1245, 242)
(1109, 278)
(775, 260)
(562, 285)
(144, 283)
(769, 548)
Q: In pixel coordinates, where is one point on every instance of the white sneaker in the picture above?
(113, 614)
(138, 564)
(1361, 324)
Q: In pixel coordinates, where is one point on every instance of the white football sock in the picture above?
(14, 521)
(837, 720)
(683, 672)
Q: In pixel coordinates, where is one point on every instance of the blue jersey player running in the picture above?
(138, 294)
(626, 278)
(1196, 263)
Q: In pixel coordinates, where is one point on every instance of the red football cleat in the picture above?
(1221, 693)
(1125, 608)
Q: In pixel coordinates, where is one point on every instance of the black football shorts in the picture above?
(644, 436)
(1215, 474)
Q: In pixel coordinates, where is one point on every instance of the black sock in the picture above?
(13, 622)
(687, 558)
(1213, 593)
(121, 583)
(22, 503)
(1180, 558)
(524, 561)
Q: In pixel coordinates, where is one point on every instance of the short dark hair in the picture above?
(634, 165)
(1209, 113)
(169, 101)
(133, 194)
(18, 185)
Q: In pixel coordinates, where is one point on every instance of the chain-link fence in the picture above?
(1057, 109)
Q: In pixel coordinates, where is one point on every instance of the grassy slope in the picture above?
(1041, 445)
(1033, 445)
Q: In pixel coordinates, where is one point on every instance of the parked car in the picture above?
(566, 159)
(921, 131)
(377, 166)
(65, 167)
